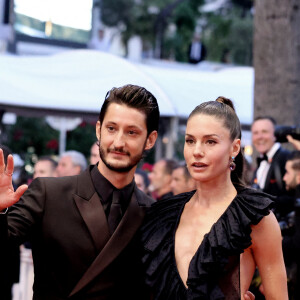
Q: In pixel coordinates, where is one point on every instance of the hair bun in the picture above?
(226, 101)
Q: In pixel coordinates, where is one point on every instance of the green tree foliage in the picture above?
(184, 18)
(82, 138)
(229, 37)
(32, 132)
(151, 20)
(34, 135)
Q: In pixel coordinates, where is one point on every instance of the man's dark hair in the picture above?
(271, 119)
(170, 165)
(49, 159)
(144, 175)
(295, 158)
(186, 173)
(6, 152)
(135, 97)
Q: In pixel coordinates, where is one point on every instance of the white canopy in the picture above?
(76, 82)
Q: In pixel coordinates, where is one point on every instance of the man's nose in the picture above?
(119, 140)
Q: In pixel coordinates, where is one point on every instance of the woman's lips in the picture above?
(199, 165)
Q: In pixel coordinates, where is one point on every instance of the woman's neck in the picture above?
(212, 192)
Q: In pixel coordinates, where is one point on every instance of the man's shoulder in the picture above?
(142, 198)
(282, 153)
(58, 182)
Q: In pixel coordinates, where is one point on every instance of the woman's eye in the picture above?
(211, 142)
(189, 141)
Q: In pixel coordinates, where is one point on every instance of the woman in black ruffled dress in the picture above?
(206, 244)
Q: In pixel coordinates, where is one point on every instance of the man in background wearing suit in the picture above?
(270, 164)
(269, 173)
(196, 50)
(84, 228)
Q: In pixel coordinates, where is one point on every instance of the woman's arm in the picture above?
(247, 268)
(267, 253)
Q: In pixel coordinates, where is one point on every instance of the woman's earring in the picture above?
(232, 164)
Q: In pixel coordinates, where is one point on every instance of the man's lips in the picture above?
(118, 152)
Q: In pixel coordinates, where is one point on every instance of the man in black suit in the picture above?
(10, 268)
(161, 178)
(84, 228)
(270, 164)
(196, 50)
(291, 242)
(269, 173)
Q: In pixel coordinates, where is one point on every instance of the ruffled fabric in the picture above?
(228, 237)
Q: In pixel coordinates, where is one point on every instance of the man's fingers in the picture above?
(10, 165)
(2, 165)
(20, 191)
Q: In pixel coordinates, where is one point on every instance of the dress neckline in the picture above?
(202, 242)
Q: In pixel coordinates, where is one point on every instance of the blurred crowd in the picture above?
(275, 172)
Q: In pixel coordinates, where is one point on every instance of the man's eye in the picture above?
(110, 128)
(132, 132)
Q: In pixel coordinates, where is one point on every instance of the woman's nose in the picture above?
(198, 151)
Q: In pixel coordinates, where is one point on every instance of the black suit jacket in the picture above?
(276, 186)
(202, 54)
(73, 253)
(274, 183)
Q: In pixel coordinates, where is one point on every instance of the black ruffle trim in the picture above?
(246, 209)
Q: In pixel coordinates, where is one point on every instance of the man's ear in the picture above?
(151, 140)
(98, 130)
(298, 177)
(78, 169)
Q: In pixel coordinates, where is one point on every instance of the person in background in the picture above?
(196, 50)
(294, 142)
(205, 244)
(161, 178)
(100, 41)
(268, 176)
(142, 180)
(84, 228)
(71, 163)
(291, 242)
(182, 181)
(10, 266)
(45, 167)
(94, 154)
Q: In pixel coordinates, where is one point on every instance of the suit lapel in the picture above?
(271, 172)
(119, 240)
(94, 217)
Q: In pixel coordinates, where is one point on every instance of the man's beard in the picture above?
(292, 185)
(120, 169)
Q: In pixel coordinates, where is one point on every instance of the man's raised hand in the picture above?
(8, 196)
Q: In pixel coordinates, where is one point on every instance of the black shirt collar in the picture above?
(105, 189)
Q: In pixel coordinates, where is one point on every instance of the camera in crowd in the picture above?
(282, 131)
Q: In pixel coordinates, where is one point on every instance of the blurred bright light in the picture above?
(70, 13)
(248, 150)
